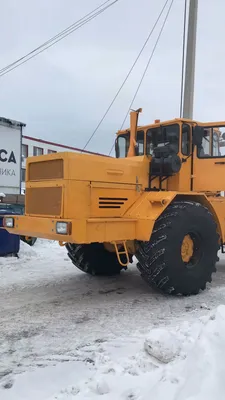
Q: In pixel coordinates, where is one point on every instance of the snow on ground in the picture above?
(65, 335)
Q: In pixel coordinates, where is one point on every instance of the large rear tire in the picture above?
(94, 259)
(182, 252)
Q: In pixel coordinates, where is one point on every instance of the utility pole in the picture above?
(188, 97)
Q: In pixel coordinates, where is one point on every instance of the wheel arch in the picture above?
(148, 208)
(211, 205)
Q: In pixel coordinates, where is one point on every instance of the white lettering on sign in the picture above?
(10, 159)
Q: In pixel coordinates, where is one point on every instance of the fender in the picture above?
(216, 205)
(148, 207)
(151, 205)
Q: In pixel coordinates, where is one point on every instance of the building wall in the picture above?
(10, 156)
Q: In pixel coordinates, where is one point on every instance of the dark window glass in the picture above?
(204, 149)
(24, 151)
(122, 145)
(210, 146)
(185, 141)
(38, 151)
(140, 142)
(213, 143)
(163, 136)
(51, 151)
(149, 142)
(215, 146)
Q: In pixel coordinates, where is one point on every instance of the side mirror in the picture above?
(223, 135)
(197, 135)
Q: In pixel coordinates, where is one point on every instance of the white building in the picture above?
(10, 155)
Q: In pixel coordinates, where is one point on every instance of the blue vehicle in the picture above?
(18, 209)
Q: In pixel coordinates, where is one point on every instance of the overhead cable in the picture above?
(146, 68)
(127, 76)
(60, 36)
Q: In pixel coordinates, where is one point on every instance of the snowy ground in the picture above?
(65, 335)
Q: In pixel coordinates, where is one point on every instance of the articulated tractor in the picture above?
(160, 200)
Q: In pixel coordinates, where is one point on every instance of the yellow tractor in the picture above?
(159, 200)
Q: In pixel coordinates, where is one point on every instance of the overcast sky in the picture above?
(62, 94)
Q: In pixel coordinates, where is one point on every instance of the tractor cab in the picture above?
(175, 137)
(144, 141)
(178, 151)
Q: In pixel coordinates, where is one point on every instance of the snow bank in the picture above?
(184, 363)
(26, 253)
(162, 345)
(202, 373)
(28, 268)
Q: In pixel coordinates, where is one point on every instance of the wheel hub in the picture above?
(187, 248)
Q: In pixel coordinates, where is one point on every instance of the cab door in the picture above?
(209, 161)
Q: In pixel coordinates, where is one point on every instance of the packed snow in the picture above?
(65, 335)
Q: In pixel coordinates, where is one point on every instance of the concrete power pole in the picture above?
(188, 98)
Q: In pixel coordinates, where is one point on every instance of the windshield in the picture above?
(163, 136)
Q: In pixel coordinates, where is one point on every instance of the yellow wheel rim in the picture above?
(187, 248)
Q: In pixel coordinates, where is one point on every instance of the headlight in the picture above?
(8, 222)
(63, 228)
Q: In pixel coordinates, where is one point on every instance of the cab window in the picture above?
(149, 142)
(140, 142)
(186, 140)
(167, 135)
(122, 145)
(215, 146)
(212, 143)
(204, 149)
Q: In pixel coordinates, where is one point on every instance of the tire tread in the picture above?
(151, 255)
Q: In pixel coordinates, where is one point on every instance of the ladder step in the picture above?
(120, 253)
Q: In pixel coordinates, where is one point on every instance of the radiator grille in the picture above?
(111, 202)
(45, 170)
(44, 201)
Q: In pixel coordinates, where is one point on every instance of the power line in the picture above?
(148, 63)
(146, 68)
(49, 43)
(69, 31)
(127, 76)
(54, 37)
(183, 59)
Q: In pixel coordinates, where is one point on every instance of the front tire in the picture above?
(94, 259)
(166, 264)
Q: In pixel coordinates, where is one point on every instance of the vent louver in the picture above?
(111, 202)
